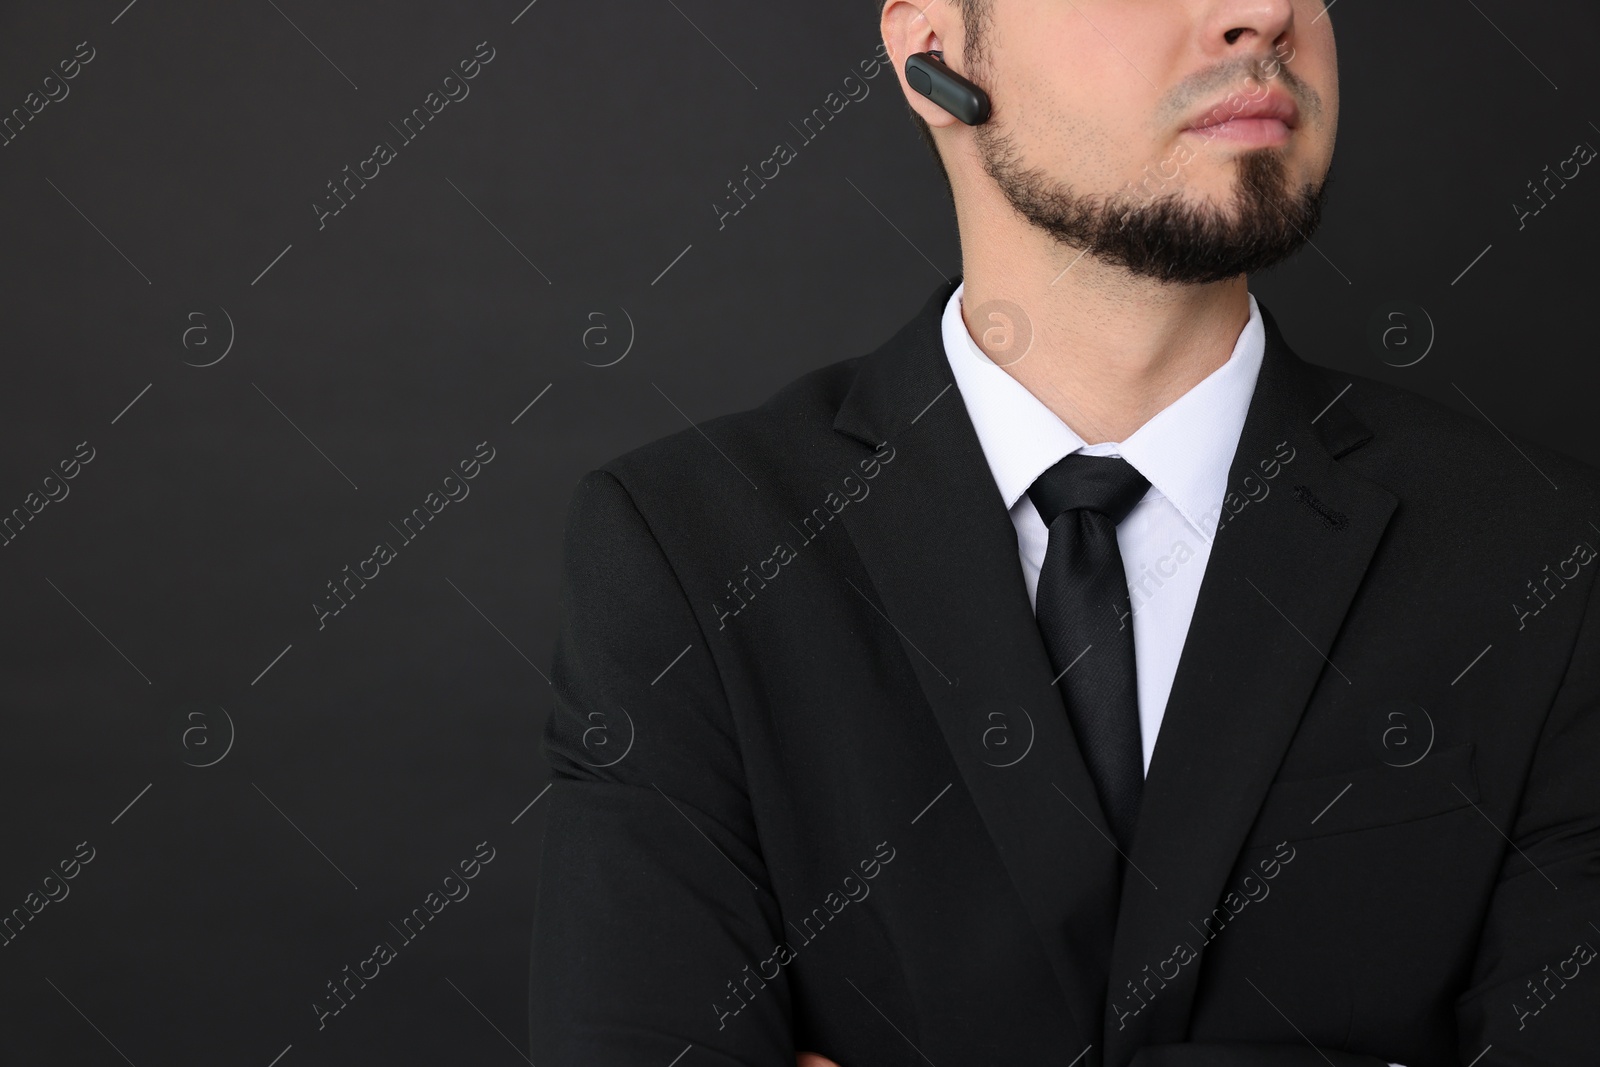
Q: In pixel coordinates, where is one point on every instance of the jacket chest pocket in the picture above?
(1367, 799)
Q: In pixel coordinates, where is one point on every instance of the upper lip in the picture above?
(1277, 104)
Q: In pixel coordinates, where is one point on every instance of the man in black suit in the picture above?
(1082, 678)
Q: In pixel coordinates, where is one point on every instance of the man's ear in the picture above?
(907, 30)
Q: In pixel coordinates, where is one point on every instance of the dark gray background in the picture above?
(455, 289)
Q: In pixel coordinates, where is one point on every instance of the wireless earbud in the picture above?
(927, 74)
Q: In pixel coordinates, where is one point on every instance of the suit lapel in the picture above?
(1281, 576)
(941, 553)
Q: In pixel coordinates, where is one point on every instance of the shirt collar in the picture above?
(1184, 451)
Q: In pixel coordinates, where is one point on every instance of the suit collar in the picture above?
(940, 552)
(1183, 451)
(878, 403)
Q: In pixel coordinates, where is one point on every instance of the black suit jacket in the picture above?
(814, 787)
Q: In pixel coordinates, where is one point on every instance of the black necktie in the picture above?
(1086, 620)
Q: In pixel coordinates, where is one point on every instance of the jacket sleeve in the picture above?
(1535, 995)
(653, 911)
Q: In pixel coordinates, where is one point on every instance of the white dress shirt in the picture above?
(1184, 451)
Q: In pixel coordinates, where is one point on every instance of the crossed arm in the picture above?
(653, 894)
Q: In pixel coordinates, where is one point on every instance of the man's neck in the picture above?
(1109, 350)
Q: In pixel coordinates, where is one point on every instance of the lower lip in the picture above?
(1253, 131)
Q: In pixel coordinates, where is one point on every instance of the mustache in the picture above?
(1259, 71)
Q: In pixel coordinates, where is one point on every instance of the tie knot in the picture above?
(1107, 484)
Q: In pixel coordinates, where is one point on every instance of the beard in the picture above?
(1166, 237)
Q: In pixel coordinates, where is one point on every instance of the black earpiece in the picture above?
(927, 74)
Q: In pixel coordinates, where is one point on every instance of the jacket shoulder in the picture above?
(1424, 449)
(774, 438)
